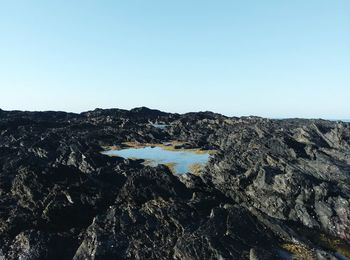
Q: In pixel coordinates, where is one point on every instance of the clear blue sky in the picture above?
(269, 58)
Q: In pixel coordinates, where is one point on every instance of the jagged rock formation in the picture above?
(275, 188)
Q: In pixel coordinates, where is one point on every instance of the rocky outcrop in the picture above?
(297, 173)
(274, 189)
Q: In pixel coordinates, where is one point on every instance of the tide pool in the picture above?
(181, 161)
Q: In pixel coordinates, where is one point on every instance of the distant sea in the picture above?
(344, 120)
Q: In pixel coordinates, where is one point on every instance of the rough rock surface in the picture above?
(275, 189)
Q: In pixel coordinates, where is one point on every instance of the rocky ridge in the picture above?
(275, 189)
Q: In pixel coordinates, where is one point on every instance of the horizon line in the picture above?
(179, 113)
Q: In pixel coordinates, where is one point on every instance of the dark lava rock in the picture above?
(275, 189)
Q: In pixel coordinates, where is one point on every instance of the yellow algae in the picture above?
(299, 251)
(170, 146)
(196, 168)
(171, 166)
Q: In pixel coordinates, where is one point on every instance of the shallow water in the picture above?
(182, 159)
(161, 126)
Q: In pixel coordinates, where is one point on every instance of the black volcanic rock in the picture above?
(274, 189)
(299, 174)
